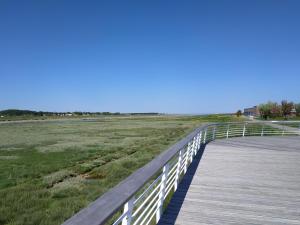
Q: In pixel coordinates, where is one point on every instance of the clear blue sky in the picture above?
(140, 56)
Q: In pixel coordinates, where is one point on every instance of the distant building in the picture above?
(251, 111)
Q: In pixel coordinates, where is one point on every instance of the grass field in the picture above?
(51, 169)
(291, 124)
(296, 118)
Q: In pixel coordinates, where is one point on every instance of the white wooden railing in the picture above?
(140, 198)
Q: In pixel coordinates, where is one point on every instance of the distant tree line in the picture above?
(17, 112)
(284, 109)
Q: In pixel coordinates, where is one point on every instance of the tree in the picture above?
(239, 113)
(265, 110)
(77, 113)
(286, 108)
(297, 107)
(275, 110)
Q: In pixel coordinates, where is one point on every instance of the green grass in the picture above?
(296, 118)
(51, 169)
(291, 124)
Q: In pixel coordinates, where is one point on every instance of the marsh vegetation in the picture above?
(51, 169)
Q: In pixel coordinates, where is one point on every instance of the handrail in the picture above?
(123, 195)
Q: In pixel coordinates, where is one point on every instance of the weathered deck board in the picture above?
(252, 180)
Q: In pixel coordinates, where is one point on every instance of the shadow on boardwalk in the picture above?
(170, 215)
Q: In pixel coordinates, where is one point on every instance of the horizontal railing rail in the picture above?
(139, 199)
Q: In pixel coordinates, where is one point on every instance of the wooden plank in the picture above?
(251, 180)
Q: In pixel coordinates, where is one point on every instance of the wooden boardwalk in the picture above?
(252, 180)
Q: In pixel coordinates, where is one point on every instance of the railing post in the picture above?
(214, 133)
(201, 137)
(178, 170)
(204, 139)
(196, 144)
(262, 131)
(193, 149)
(244, 130)
(128, 207)
(162, 192)
(199, 142)
(187, 157)
(227, 134)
